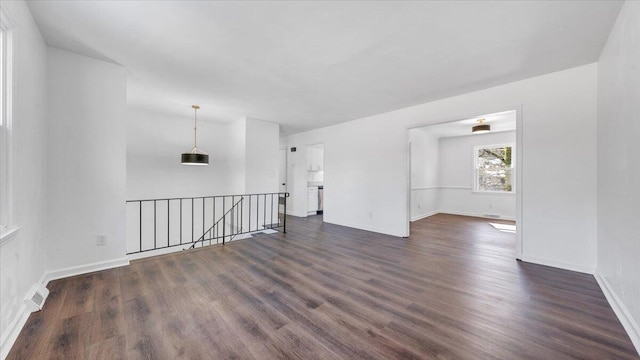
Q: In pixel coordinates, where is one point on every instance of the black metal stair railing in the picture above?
(213, 232)
(156, 224)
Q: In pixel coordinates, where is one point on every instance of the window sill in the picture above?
(494, 192)
(9, 235)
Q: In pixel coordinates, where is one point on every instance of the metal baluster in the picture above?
(154, 224)
(192, 219)
(271, 225)
(203, 220)
(284, 230)
(140, 225)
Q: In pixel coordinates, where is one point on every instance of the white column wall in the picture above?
(425, 159)
(619, 169)
(261, 158)
(86, 159)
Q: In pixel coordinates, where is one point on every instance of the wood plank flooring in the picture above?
(451, 291)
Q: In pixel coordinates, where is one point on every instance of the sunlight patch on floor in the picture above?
(504, 227)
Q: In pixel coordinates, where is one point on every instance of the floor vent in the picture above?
(36, 297)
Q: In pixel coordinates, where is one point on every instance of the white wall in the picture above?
(154, 144)
(619, 168)
(425, 158)
(237, 150)
(22, 260)
(86, 159)
(261, 156)
(366, 163)
(456, 171)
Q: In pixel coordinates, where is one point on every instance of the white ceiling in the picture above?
(502, 121)
(311, 64)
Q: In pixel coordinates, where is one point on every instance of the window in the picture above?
(6, 188)
(494, 168)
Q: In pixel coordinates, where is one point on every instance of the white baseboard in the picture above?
(365, 228)
(558, 264)
(83, 269)
(477, 215)
(296, 214)
(419, 217)
(11, 334)
(621, 311)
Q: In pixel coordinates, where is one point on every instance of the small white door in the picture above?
(282, 178)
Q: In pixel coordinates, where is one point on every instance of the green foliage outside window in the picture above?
(494, 165)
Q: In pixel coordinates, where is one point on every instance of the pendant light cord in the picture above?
(195, 126)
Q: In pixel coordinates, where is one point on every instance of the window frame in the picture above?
(8, 227)
(475, 171)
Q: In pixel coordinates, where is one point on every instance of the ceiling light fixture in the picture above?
(481, 127)
(195, 156)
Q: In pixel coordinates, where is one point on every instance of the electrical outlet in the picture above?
(101, 240)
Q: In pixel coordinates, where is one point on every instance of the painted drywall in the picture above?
(261, 156)
(425, 157)
(366, 163)
(456, 178)
(86, 160)
(22, 260)
(619, 168)
(154, 144)
(237, 149)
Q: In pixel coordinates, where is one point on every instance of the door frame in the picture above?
(519, 248)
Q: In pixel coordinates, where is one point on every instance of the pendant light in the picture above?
(195, 156)
(481, 127)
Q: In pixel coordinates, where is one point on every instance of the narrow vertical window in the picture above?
(6, 186)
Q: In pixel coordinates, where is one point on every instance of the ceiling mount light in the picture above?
(195, 156)
(481, 127)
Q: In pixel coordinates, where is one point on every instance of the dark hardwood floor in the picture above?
(451, 291)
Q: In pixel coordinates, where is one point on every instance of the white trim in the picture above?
(559, 264)
(519, 174)
(425, 188)
(83, 269)
(13, 330)
(498, 193)
(158, 252)
(621, 311)
(366, 228)
(297, 214)
(423, 216)
(456, 187)
(478, 215)
(9, 235)
(7, 168)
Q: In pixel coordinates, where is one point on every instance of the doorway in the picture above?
(315, 179)
(470, 167)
